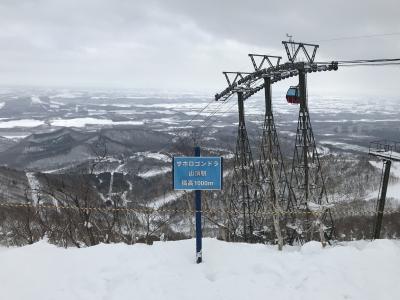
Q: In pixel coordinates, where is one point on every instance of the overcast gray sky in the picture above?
(174, 44)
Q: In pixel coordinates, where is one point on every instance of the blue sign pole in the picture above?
(196, 173)
(197, 193)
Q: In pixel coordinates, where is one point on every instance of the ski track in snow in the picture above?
(34, 186)
(165, 199)
(111, 186)
(110, 189)
(360, 270)
(154, 172)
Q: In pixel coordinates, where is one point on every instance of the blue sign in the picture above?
(197, 173)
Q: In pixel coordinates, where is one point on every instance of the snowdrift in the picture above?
(166, 270)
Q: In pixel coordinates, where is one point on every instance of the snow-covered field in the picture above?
(82, 122)
(154, 172)
(166, 270)
(20, 123)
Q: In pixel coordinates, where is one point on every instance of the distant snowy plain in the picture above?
(166, 270)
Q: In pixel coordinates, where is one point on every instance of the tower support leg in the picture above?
(307, 180)
(382, 199)
(272, 171)
(241, 203)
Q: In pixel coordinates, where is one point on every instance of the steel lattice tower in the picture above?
(242, 201)
(255, 190)
(276, 192)
(307, 181)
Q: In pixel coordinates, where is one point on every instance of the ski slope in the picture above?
(166, 270)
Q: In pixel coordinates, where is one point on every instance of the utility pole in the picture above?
(382, 199)
(388, 151)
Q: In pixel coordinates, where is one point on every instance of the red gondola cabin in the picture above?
(293, 95)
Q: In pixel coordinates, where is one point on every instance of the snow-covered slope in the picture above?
(356, 270)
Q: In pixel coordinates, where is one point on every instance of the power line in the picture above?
(186, 125)
(378, 60)
(370, 64)
(205, 123)
(214, 113)
(366, 62)
(357, 37)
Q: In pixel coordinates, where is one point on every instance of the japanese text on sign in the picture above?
(197, 173)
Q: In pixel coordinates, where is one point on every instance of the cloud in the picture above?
(185, 44)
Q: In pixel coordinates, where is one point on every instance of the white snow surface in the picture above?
(82, 122)
(14, 137)
(154, 155)
(20, 123)
(36, 100)
(154, 172)
(165, 199)
(166, 270)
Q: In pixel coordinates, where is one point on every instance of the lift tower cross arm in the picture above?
(264, 58)
(239, 82)
(298, 47)
(232, 78)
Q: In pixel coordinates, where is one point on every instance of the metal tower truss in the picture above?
(264, 59)
(296, 49)
(266, 187)
(233, 77)
(276, 192)
(252, 83)
(243, 201)
(307, 181)
(238, 82)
